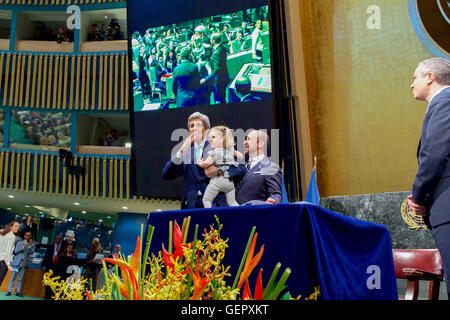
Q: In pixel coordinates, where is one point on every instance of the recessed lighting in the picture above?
(27, 206)
(100, 220)
(84, 211)
(108, 217)
(127, 144)
(10, 196)
(125, 208)
(8, 209)
(76, 203)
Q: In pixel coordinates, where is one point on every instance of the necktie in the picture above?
(55, 259)
(248, 165)
(197, 152)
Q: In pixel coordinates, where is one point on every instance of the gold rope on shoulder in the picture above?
(413, 220)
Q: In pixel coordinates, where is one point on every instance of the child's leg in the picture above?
(211, 192)
(231, 198)
(227, 187)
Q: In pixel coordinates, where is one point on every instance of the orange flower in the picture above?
(250, 262)
(129, 272)
(247, 294)
(199, 283)
(178, 245)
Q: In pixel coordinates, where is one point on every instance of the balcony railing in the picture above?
(105, 177)
(90, 82)
(58, 2)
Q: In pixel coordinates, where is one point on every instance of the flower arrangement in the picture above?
(185, 271)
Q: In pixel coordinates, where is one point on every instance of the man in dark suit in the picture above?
(219, 70)
(184, 163)
(50, 261)
(262, 182)
(431, 188)
(186, 81)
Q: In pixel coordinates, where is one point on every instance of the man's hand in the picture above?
(186, 144)
(211, 171)
(417, 208)
(270, 200)
(10, 268)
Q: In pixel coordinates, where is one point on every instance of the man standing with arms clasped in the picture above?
(431, 188)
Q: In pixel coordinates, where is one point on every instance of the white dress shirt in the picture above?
(253, 161)
(7, 243)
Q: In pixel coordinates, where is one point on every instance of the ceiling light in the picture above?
(10, 196)
(125, 208)
(127, 144)
(76, 203)
(84, 211)
(27, 206)
(108, 217)
(8, 209)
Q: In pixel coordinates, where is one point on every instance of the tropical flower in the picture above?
(129, 287)
(250, 262)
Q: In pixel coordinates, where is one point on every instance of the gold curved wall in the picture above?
(365, 125)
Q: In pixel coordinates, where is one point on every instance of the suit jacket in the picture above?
(22, 253)
(47, 261)
(219, 69)
(186, 83)
(261, 182)
(195, 179)
(431, 187)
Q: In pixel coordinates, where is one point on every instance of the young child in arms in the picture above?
(222, 156)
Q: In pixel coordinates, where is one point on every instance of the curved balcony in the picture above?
(89, 82)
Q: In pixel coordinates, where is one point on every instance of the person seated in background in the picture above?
(69, 251)
(244, 29)
(159, 70)
(243, 90)
(117, 34)
(61, 35)
(113, 140)
(238, 44)
(94, 34)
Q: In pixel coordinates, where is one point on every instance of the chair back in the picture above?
(428, 260)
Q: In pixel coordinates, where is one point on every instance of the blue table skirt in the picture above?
(347, 257)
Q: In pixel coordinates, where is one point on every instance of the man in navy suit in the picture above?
(50, 261)
(219, 70)
(184, 163)
(262, 182)
(186, 81)
(431, 188)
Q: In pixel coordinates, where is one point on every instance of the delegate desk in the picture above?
(320, 246)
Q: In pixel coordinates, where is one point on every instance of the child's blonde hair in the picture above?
(228, 139)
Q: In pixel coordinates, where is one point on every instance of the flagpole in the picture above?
(315, 162)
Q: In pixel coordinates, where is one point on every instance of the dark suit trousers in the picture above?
(441, 235)
(3, 271)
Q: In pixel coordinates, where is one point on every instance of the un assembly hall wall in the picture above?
(364, 123)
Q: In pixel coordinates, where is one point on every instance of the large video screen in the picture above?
(212, 57)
